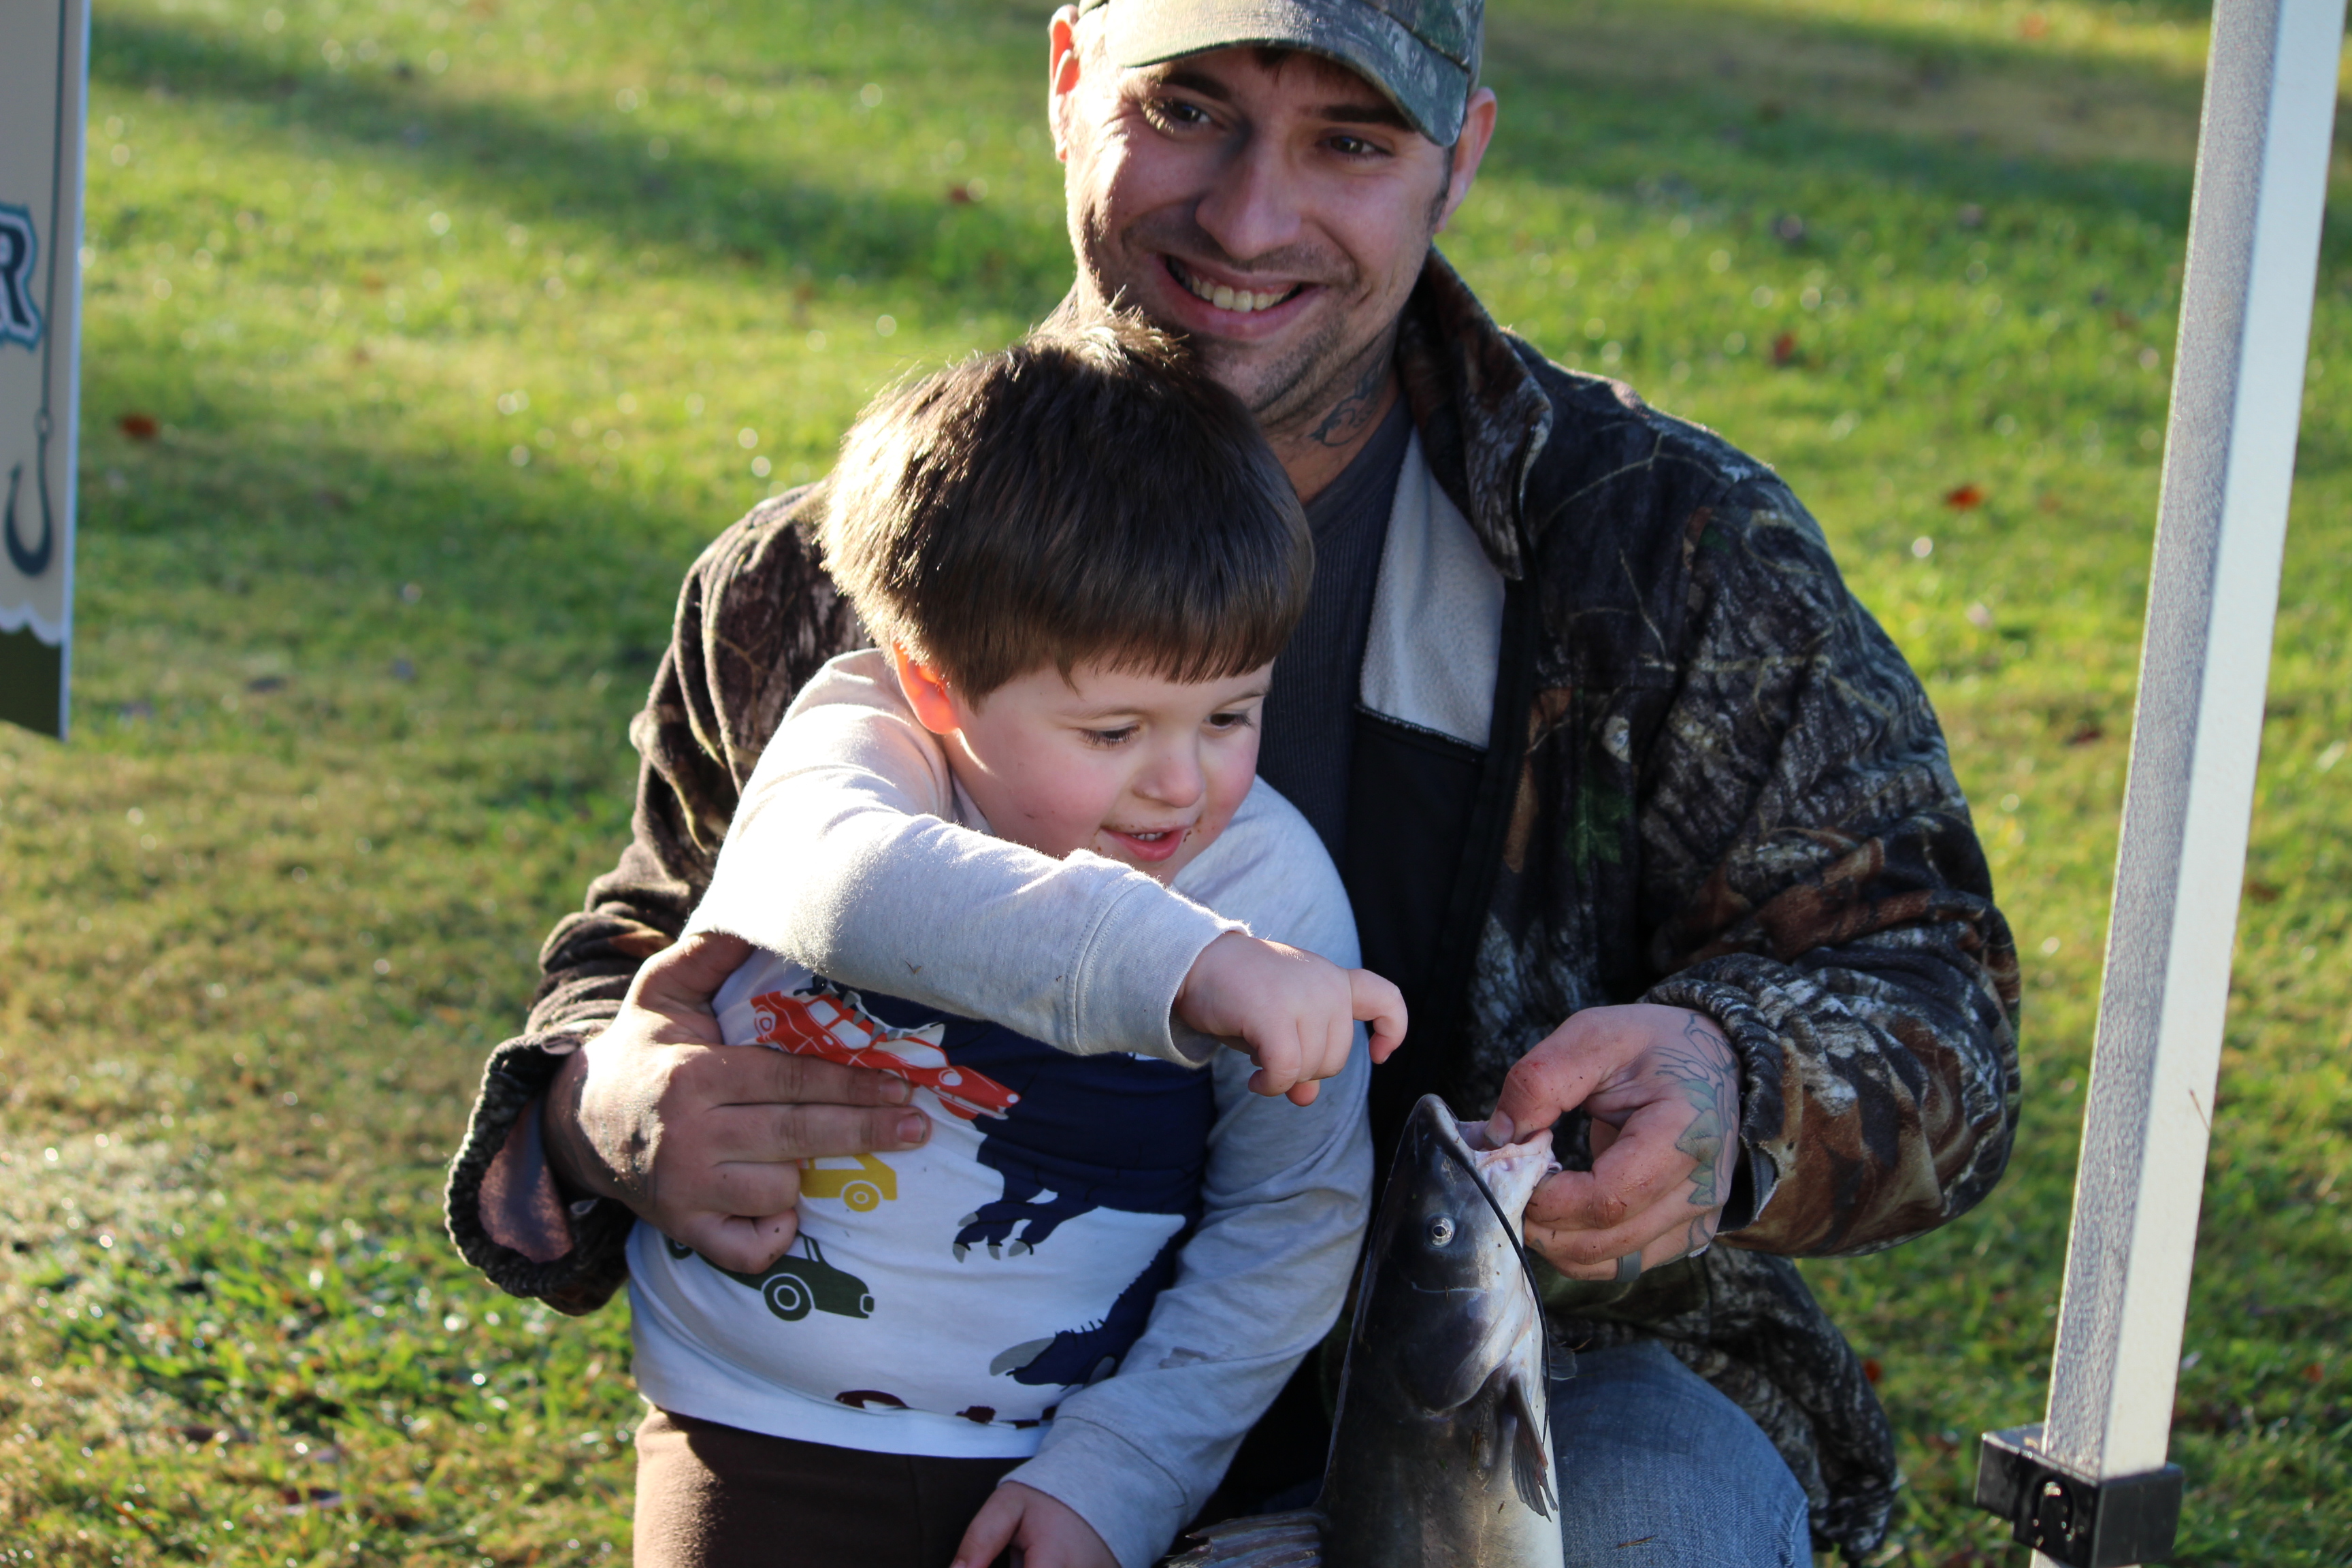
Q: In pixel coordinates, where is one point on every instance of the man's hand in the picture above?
(1662, 1088)
(703, 1139)
(1292, 1013)
(1048, 1532)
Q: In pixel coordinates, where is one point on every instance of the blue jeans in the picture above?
(1658, 1471)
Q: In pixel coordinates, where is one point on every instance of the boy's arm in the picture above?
(1257, 1285)
(844, 858)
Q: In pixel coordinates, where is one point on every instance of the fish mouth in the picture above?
(1508, 1173)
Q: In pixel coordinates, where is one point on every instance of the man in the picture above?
(1649, 820)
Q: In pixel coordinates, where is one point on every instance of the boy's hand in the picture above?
(1047, 1531)
(1290, 1012)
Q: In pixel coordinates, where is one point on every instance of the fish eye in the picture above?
(1441, 1231)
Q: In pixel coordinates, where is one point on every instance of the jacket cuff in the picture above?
(582, 1247)
(1760, 1055)
(1125, 1494)
(1122, 991)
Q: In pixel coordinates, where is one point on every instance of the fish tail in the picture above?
(1262, 1540)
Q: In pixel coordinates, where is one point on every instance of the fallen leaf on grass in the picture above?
(1962, 499)
(139, 426)
(1784, 348)
(1871, 1370)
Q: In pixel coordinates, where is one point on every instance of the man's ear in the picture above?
(1478, 130)
(1063, 67)
(926, 691)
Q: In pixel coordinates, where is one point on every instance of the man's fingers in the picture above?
(1591, 1253)
(745, 1244)
(755, 1075)
(1553, 1078)
(1675, 1238)
(767, 1134)
(742, 1187)
(1638, 1198)
(1642, 1166)
(990, 1529)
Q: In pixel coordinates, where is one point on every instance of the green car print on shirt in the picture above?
(797, 1284)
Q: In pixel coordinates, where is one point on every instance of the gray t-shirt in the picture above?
(1310, 713)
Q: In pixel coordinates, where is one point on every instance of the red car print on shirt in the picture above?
(833, 1026)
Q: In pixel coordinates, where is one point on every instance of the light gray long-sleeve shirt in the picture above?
(854, 854)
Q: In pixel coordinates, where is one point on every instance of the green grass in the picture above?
(466, 325)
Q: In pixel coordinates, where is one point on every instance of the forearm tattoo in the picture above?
(1701, 1064)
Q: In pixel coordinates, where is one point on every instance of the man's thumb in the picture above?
(690, 971)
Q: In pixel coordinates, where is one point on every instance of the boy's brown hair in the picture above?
(1088, 495)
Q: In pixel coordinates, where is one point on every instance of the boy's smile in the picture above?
(1134, 767)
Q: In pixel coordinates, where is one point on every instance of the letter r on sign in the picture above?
(20, 322)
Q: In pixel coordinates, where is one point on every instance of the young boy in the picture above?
(1016, 856)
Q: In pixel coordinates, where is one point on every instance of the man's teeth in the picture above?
(1227, 299)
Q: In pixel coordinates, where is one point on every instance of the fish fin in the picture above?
(1530, 1454)
(1263, 1540)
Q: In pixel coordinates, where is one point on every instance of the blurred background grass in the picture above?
(426, 344)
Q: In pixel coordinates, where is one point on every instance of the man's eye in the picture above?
(1176, 113)
(1354, 147)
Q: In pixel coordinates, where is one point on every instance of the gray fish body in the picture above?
(1441, 1449)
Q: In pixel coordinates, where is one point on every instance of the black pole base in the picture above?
(2074, 1519)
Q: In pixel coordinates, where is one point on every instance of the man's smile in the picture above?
(1224, 296)
(1231, 306)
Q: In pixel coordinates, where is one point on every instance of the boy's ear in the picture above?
(925, 692)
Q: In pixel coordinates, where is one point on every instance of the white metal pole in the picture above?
(44, 82)
(2245, 321)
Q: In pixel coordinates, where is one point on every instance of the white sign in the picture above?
(44, 93)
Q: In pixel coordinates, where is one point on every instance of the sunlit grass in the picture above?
(464, 327)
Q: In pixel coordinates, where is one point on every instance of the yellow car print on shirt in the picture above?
(863, 1189)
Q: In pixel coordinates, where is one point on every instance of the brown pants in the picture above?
(717, 1497)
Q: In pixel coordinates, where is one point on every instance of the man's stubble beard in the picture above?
(1289, 397)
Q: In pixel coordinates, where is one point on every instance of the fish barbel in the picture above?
(1441, 1449)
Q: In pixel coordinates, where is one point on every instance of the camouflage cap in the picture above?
(1422, 53)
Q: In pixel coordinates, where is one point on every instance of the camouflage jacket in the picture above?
(1727, 793)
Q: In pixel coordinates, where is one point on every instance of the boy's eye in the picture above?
(1238, 720)
(1119, 736)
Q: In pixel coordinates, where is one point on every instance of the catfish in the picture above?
(1441, 1447)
